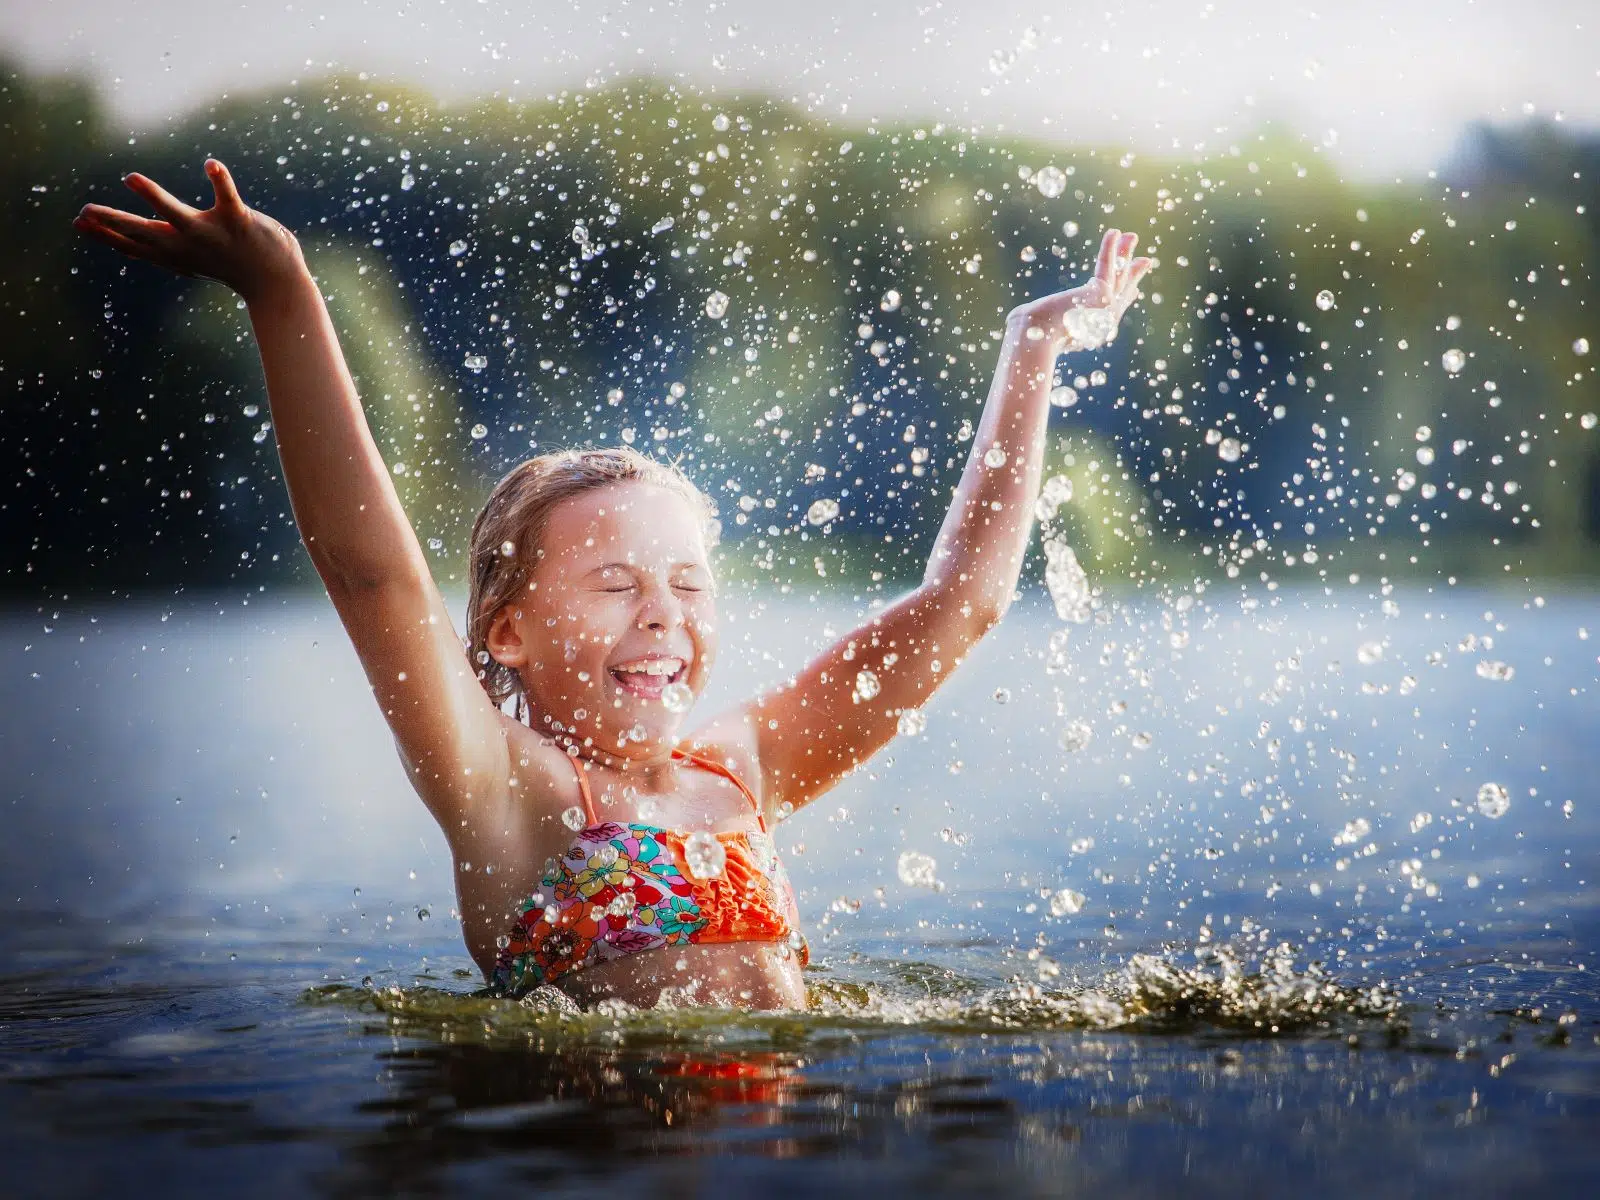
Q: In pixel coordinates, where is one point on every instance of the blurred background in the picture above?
(779, 246)
(1336, 489)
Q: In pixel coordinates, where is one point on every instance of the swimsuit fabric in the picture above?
(620, 889)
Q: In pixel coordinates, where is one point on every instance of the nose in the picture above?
(660, 610)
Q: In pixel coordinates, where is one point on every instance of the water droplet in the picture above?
(1076, 736)
(458, 248)
(1581, 346)
(661, 226)
(1067, 903)
(574, 818)
(423, 914)
(994, 458)
(475, 362)
(1089, 328)
(917, 869)
(822, 511)
(1589, 420)
(478, 432)
(1057, 490)
(1051, 182)
(1325, 300)
(1452, 360)
(1493, 801)
(1002, 695)
(1353, 832)
(677, 697)
(717, 305)
(704, 855)
(1063, 396)
(251, 410)
(890, 301)
(866, 687)
(1081, 845)
(1369, 653)
(1498, 671)
(1067, 581)
(508, 549)
(911, 722)
(1229, 449)
(1141, 740)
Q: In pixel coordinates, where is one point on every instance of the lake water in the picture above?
(1313, 910)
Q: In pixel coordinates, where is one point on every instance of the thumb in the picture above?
(222, 184)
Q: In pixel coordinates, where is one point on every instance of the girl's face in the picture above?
(617, 618)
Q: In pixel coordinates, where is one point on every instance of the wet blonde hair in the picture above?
(518, 512)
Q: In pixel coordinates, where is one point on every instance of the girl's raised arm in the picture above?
(845, 706)
(344, 502)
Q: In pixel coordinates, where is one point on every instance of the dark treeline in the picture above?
(804, 311)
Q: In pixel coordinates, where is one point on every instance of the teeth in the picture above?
(655, 666)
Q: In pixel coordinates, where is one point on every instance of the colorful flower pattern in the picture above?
(620, 889)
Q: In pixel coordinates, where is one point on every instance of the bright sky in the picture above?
(1384, 85)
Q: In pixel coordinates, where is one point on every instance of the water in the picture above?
(232, 957)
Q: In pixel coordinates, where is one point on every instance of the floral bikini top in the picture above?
(620, 889)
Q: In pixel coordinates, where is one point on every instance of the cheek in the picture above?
(585, 620)
(706, 627)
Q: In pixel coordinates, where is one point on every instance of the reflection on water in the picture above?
(1296, 951)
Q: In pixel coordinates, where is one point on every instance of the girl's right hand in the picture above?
(228, 242)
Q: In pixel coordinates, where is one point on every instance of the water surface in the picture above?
(1306, 955)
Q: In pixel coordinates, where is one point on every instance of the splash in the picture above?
(1224, 990)
(1067, 581)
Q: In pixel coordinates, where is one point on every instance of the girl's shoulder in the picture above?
(730, 740)
(541, 774)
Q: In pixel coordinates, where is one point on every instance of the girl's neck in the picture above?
(657, 763)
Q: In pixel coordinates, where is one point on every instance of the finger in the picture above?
(125, 224)
(1104, 268)
(1130, 293)
(1124, 261)
(112, 238)
(163, 201)
(222, 184)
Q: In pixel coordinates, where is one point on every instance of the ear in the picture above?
(504, 640)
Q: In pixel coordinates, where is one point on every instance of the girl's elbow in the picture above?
(981, 608)
(982, 612)
(989, 611)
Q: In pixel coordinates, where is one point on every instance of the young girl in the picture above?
(597, 848)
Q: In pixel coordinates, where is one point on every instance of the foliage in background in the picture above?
(518, 275)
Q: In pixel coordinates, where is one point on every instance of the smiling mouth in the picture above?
(647, 678)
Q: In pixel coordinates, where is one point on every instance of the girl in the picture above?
(596, 848)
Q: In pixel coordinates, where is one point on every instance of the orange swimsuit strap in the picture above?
(678, 754)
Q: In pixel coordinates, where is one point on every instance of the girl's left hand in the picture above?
(1087, 316)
